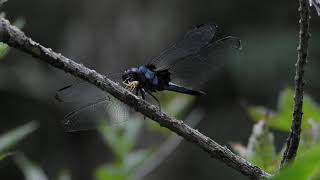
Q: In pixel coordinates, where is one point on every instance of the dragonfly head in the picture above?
(130, 75)
(130, 79)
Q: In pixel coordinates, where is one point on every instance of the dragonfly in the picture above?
(179, 68)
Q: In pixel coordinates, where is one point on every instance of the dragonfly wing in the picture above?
(89, 107)
(86, 117)
(191, 44)
(109, 111)
(196, 69)
(193, 59)
(82, 92)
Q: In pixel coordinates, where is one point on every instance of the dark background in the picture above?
(107, 34)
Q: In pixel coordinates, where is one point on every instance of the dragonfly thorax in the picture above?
(146, 77)
(141, 74)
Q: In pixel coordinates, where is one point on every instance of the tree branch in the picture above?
(304, 35)
(16, 38)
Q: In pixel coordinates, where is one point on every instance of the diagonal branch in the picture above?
(16, 38)
(304, 35)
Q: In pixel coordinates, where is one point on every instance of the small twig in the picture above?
(304, 35)
(16, 38)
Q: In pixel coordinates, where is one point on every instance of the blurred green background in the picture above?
(108, 35)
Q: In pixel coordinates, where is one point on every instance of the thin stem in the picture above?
(304, 35)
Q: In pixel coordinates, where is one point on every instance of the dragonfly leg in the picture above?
(131, 85)
(143, 93)
(154, 97)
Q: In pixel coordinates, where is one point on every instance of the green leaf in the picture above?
(110, 172)
(261, 149)
(258, 113)
(4, 155)
(281, 120)
(115, 140)
(30, 170)
(122, 170)
(12, 137)
(304, 167)
(4, 49)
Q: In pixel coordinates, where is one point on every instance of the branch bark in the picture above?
(16, 38)
(304, 35)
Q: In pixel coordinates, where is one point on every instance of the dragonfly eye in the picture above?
(124, 77)
(128, 77)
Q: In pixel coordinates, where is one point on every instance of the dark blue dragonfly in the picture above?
(179, 68)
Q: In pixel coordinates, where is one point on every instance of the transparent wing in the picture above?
(84, 91)
(195, 69)
(191, 44)
(107, 110)
(194, 58)
(79, 93)
(90, 106)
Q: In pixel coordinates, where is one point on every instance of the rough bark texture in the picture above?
(15, 38)
(304, 35)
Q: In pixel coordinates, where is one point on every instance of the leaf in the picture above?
(29, 169)
(4, 49)
(122, 170)
(12, 137)
(110, 172)
(281, 120)
(4, 155)
(257, 113)
(304, 167)
(261, 149)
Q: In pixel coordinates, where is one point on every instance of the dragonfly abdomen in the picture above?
(184, 90)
